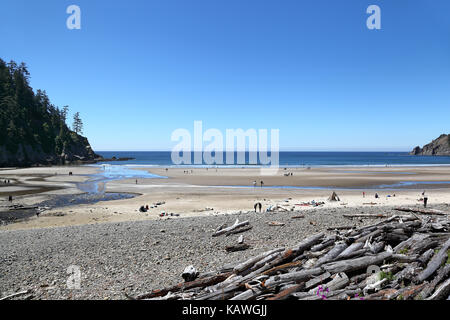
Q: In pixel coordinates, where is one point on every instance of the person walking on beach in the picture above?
(258, 205)
(262, 183)
(425, 201)
(376, 196)
(364, 194)
(254, 183)
(136, 181)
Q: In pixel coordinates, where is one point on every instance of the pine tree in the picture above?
(77, 125)
(64, 113)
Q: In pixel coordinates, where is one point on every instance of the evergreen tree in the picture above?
(77, 125)
(29, 119)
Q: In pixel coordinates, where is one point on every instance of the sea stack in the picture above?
(438, 147)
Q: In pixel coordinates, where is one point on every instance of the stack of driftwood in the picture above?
(402, 257)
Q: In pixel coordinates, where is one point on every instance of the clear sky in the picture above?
(138, 70)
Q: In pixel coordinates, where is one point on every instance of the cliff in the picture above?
(438, 147)
(77, 151)
(33, 131)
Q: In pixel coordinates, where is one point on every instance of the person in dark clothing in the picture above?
(262, 183)
(258, 205)
(10, 198)
(425, 201)
(376, 196)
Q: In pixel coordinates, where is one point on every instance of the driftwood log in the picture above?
(400, 257)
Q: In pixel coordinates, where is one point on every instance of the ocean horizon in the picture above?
(286, 159)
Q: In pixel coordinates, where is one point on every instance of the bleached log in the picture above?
(426, 256)
(15, 295)
(236, 225)
(292, 276)
(284, 294)
(282, 267)
(441, 292)
(249, 263)
(236, 231)
(349, 250)
(317, 280)
(185, 286)
(250, 293)
(339, 281)
(362, 215)
(266, 260)
(333, 253)
(324, 244)
(374, 286)
(422, 211)
(356, 264)
(443, 273)
(307, 243)
(435, 262)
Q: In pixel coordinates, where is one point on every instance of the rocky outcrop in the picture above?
(79, 151)
(438, 147)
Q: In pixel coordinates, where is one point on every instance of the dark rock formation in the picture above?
(79, 151)
(438, 147)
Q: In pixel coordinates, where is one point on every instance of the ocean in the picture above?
(287, 159)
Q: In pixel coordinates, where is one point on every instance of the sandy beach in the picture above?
(189, 192)
(122, 251)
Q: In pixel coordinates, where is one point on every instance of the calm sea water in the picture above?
(291, 159)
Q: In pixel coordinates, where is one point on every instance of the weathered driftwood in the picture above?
(328, 241)
(441, 292)
(435, 262)
(333, 253)
(250, 262)
(350, 250)
(317, 280)
(237, 247)
(240, 230)
(443, 273)
(338, 281)
(15, 295)
(422, 211)
(402, 247)
(284, 294)
(292, 276)
(236, 225)
(356, 264)
(361, 215)
(308, 243)
(425, 257)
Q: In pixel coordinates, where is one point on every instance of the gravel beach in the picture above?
(136, 257)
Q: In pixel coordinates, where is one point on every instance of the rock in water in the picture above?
(438, 147)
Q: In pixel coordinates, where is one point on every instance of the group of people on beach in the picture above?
(255, 183)
(424, 197)
(7, 181)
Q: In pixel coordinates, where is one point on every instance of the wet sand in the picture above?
(203, 192)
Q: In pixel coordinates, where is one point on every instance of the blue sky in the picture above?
(138, 70)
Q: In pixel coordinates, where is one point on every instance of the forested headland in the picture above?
(33, 130)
